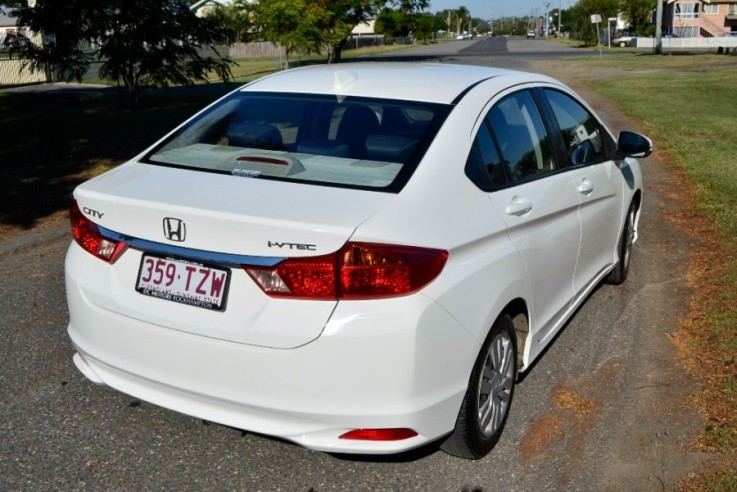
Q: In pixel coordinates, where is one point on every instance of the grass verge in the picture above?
(687, 105)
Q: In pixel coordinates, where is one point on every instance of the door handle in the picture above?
(518, 206)
(586, 187)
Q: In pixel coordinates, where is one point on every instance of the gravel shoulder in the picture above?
(642, 428)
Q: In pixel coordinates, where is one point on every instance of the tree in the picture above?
(343, 15)
(583, 11)
(392, 23)
(462, 15)
(156, 42)
(638, 14)
(11, 4)
(236, 19)
(294, 24)
(427, 25)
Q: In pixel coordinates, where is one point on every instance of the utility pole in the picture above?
(659, 28)
(546, 24)
(560, 7)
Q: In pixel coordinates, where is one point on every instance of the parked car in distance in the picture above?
(623, 41)
(530, 34)
(464, 36)
(351, 258)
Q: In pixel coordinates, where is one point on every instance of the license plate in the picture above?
(183, 281)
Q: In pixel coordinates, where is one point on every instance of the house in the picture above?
(364, 28)
(7, 25)
(14, 71)
(700, 18)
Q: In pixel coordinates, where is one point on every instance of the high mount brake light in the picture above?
(356, 271)
(88, 236)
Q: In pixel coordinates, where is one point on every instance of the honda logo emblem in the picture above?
(175, 229)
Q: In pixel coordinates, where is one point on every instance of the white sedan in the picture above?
(358, 258)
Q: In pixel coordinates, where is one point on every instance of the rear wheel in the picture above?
(622, 44)
(619, 274)
(485, 406)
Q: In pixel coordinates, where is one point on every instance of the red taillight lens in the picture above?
(357, 271)
(376, 270)
(311, 277)
(88, 236)
(379, 434)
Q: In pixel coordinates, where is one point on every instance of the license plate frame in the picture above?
(194, 276)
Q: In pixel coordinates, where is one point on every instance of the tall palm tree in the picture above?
(462, 14)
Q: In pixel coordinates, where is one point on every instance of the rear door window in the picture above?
(523, 141)
(512, 144)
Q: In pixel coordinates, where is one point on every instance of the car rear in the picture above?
(218, 274)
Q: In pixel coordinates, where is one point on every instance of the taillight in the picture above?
(87, 235)
(398, 434)
(356, 271)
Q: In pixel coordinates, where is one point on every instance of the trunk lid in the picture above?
(222, 214)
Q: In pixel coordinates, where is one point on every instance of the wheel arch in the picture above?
(637, 202)
(517, 310)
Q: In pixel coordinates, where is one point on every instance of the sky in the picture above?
(488, 9)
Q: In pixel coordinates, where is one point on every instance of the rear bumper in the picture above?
(379, 364)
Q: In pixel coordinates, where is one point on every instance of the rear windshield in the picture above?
(347, 142)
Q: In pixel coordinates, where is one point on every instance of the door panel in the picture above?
(539, 206)
(547, 238)
(601, 218)
(598, 183)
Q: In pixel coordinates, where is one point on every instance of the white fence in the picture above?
(679, 43)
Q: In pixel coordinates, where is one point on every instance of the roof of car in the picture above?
(431, 82)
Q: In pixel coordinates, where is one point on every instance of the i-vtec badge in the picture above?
(300, 246)
(175, 229)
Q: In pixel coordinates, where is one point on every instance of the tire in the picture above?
(486, 405)
(622, 44)
(619, 274)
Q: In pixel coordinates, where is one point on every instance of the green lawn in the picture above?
(688, 105)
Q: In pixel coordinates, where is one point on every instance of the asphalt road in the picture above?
(602, 409)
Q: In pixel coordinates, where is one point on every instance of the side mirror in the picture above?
(632, 144)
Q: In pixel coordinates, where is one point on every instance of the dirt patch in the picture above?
(541, 434)
(566, 399)
(561, 431)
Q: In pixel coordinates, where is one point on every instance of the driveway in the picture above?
(603, 409)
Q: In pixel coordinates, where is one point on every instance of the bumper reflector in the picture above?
(379, 434)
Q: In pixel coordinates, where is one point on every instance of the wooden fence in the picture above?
(13, 71)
